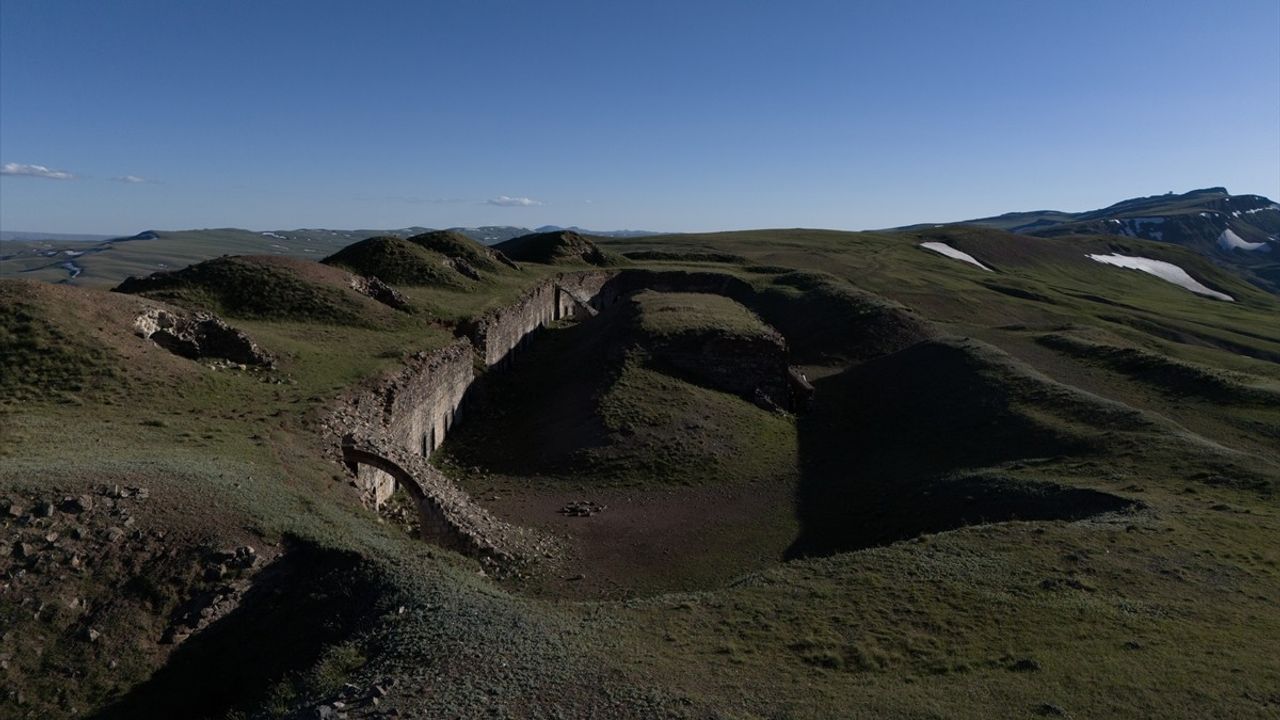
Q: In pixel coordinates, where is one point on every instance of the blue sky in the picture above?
(692, 115)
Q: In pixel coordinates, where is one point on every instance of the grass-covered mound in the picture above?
(825, 318)
(397, 262)
(455, 245)
(261, 287)
(583, 402)
(893, 447)
(440, 258)
(561, 247)
(713, 341)
(675, 314)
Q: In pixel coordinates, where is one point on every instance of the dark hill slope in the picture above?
(398, 262)
(953, 432)
(440, 258)
(563, 247)
(262, 287)
(459, 247)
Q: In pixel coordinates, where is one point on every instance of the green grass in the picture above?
(244, 288)
(671, 314)
(562, 247)
(664, 430)
(396, 262)
(1167, 611)
(43, 360)
(454, 244)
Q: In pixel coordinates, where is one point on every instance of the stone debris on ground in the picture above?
(581, 508)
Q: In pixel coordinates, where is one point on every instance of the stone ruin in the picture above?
(200, 336)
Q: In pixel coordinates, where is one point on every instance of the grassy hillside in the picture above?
(262, 287)
(1044, 490)
(561, 247)
(398, 262)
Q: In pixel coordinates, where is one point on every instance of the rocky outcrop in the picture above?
(374, 288)
(200, 336)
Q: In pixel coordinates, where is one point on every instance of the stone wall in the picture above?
(501, 332)
(414, 408)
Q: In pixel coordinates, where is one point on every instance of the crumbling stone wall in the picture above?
(500, 332)
(414, 408)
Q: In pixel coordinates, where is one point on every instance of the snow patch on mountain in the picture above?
(1228, 240)
(945, 249)
(1164, 270)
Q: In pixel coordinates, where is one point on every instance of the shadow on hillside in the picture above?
(303, 602)
(885, 446)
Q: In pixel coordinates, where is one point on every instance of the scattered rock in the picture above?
(77, 505)
(581, 508)
(90, 634)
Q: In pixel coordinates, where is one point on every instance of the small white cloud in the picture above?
(129, 179)
(505, 201)
(34, 171)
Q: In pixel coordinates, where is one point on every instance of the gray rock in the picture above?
(200, 335)
(77, 505)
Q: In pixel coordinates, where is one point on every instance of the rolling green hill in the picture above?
(1045, 486)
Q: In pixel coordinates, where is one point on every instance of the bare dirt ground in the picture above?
(644, 541)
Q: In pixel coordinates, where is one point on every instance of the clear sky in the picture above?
(691, 115)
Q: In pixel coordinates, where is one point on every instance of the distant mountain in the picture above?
(1238, 231)
(31, 237)
(492, 234)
